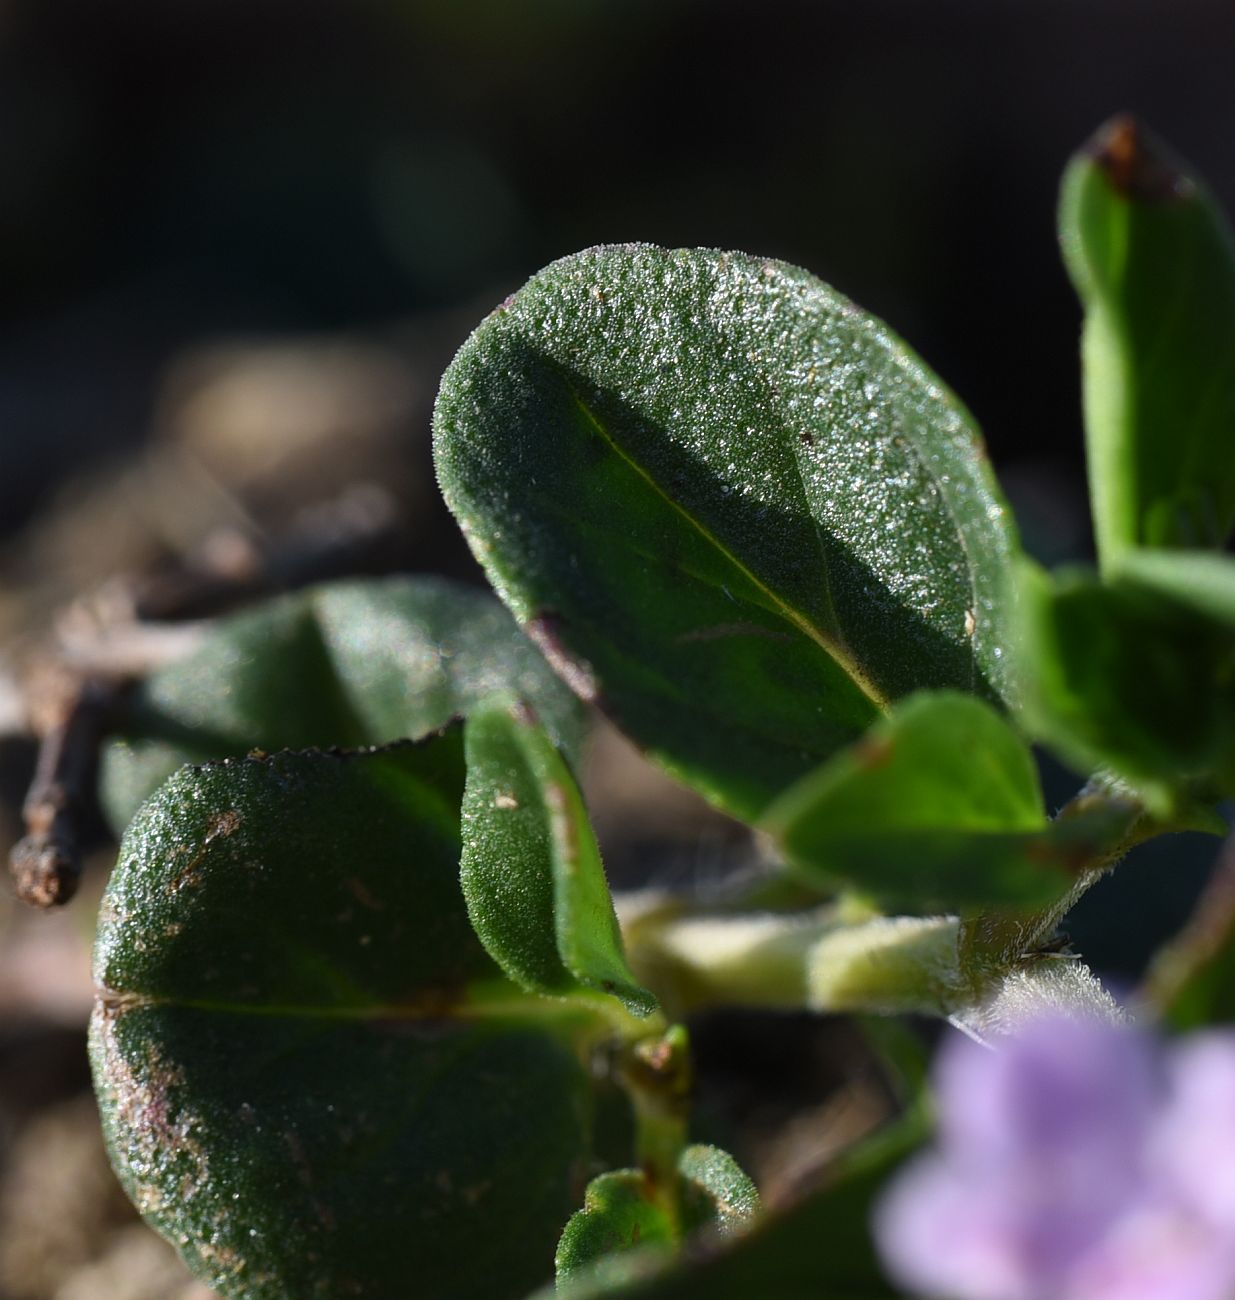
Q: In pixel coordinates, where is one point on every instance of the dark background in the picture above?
(179, 172)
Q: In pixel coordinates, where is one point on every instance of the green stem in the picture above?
(658, 1076)
(1207, 932)
(990, 941)
(838, 958)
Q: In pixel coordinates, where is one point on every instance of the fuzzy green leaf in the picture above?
(532, 875)
(1152, 258)
(624, 1211)
(730, 506)
(818, 1247)
(719, 1196)
(312, 1079)
(938, 808)
(349, 663)
(621, 1213)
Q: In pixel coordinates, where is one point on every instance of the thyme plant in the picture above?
(359, 970)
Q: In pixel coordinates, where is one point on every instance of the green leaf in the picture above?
(731, 507)
(625, 1211)
(532, 875)
(1153, 261)
(621, 1213)
(349, 663)
(719, 1195)
(1131, 676)
(312, 1079)
(1200, 582)
(938, 808)
(819, 1247)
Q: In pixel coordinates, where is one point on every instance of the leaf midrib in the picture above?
(795, 618)
(118, 1002)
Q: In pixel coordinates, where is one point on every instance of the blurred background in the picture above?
(240, 241)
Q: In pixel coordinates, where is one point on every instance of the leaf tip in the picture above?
(1135, 164)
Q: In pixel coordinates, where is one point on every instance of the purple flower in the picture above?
(1078, 1161)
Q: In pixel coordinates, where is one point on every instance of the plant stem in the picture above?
(1207, 931)
(990, 941)
(658, 1076)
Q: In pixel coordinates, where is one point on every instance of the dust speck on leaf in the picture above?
(223, 824)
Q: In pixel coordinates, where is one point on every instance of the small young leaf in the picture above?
(1153, 261)
(311, 1077)
(719, 1195)
(621, 1212)
(349, 663)
(819, 1247)
(729, 505)
(937, 808)
(532, 875)
(624, 1211)
(1137, 676)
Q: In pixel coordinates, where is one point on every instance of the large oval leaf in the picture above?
(347, 663)
(728, 504)
(311, 1077)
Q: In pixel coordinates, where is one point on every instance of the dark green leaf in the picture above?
(729, 505)
(818, 1249)
(1132, 677)
(312, 1079)
(532, 874)
(938, 807)
(1200, 582)
(350, 663)
(1152, 258)
(625, 1211)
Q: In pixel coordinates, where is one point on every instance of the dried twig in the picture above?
(119, 635)
(352, 533)
(46, 864)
